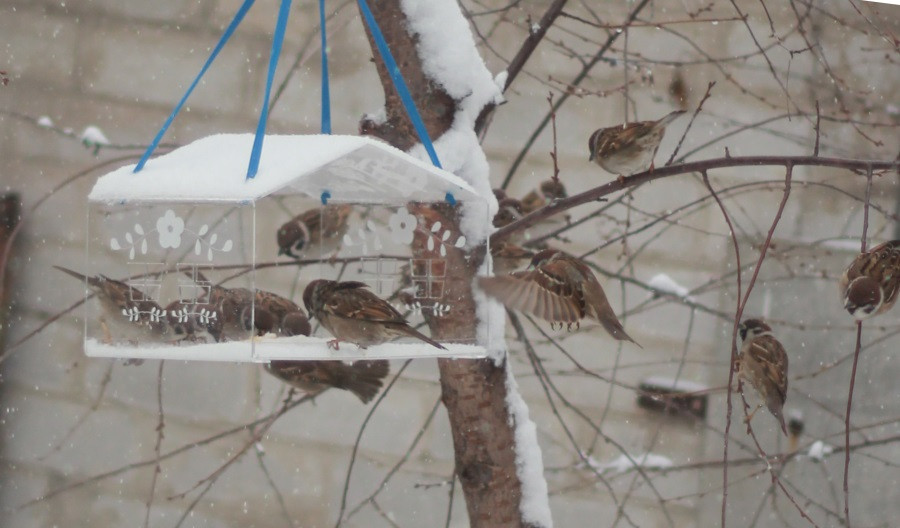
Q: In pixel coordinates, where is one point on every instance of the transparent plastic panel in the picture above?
(154, 271)
(401, 258)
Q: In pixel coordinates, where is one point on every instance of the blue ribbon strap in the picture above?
(278, 39)
(326, 96)
(399, 83)
(238, 17)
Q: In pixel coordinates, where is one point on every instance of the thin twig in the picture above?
(555, 177)
(709, 88)
(862, 249)
(362, 428)
(400, 462)
(729, 403)
(160, 425)
(818, 130)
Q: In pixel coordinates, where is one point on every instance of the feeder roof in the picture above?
(351, 168)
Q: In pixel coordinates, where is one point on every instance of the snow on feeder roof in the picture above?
(351, 169)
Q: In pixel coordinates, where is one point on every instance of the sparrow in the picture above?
(127, 313)
(354, 314)
(508, 256)
(559, 288)
(362, 378)
(279, 315)
(188, 321)
(318, 227)
(871, 282)
(629, 148)
(795, 427)
(509, 210)
(678, 90)
(763, 363)
(548, 192)
(230, 313)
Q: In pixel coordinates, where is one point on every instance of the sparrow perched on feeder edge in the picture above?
(558, 288)
(128, 314)
(763, 363)
(320, 227)
(362, 378)
(547, 192)
(871, 282)
(354, 314)
(629, 148)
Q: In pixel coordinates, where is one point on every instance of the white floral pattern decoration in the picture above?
(442, 238)
(170, 227)
(402, 225)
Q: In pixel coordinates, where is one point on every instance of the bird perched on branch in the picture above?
(362, 378)
(559, 288)
(127, 313)
(354, 314)
(320, 227)
(630, 148)
(547, 192)
(764, 364)
(871, 282)
(508, 211)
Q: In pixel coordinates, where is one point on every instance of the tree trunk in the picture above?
(473, 391)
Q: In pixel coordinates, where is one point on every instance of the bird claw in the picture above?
(621, 179)
(334, 344)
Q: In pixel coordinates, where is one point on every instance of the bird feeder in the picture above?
(178, 229)
(191, 222)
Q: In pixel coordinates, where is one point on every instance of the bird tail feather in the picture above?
(364, 378)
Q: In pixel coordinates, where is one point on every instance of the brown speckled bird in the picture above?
(320, 227)
(548, 192)
(354, 314)
(229, 312)
(509, 257)
(871, 283)
(558, 288)
(764, 364)
(509, 210)
(128, 315)
(630, 148)
(362, 378)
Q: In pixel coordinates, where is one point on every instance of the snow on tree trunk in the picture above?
(450, 89)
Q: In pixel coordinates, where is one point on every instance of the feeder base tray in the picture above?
(265, 349)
